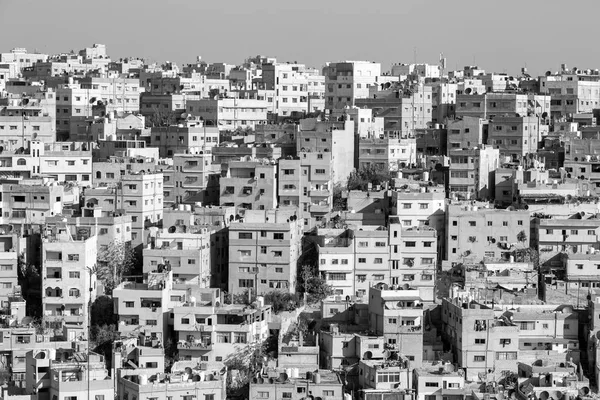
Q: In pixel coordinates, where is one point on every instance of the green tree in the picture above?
(522, 237)
(30, 280)
(102, 312)
(115, 261)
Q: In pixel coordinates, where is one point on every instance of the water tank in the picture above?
(425, 175)
(143, 379)
(261, 302)
(188, 207)
(317, 378)
(511, 259)
(181, 207)
(295, 372)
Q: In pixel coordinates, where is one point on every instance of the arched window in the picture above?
(74, 292)
(98, 174)
(21, 161)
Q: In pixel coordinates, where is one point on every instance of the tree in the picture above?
(102, 312)
(339, 202)
(522, 237)
(281, 301)
(243, 364)
(30, 280)
(115, 261)
(315, 287)
(360, 179)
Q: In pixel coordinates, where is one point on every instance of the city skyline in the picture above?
(465, 35)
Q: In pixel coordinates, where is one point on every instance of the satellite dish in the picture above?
(544, 115)
(172, 229)
(26, 321)
(468, 91)
(368, 355)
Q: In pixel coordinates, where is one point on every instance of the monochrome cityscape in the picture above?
(271, 230)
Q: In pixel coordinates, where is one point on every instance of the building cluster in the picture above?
(449, 219)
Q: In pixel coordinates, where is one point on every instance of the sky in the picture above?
(497, 35)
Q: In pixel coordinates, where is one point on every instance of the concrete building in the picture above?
(572, 92)
(467, 132)
(581, 159)
(249, 185)
(68, 285)
(204, 385)
(180, 139)
(139, 195)
(27, 118)
(574, 236)
(209, 331)
(347, 81)
(336, 138)
(109, 171)
(413, 258)
(491, 105)
(386, 153)
(471, 172)
(476, 232)
(230, 113)
(22, 58)
(142, 308)
(296, 386)
(8, 269)
(515, 137)
(191, 179)
(264, 251)
(434, 382)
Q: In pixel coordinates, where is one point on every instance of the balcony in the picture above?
(320, 192)
(194, 345)
(320, 208)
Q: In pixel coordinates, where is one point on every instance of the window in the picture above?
(479, 341)
(362, 260)
(410, 244)
(479, 358)
(73, 257)
(245, 235)
(527, 325)
(278, 236)
(506, 355)
(337, 277)
(278, 254)
(392, 321)
(406, 206)
(378, 261)
(431, 384)
(246, 283)
(74, 275)
(129, 304)
(472, 223)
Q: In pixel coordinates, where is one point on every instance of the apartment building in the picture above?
(143, 307)
(386, 153)
(67, 380)
(173, 139)
(433, 381)
(336, 138)
(230, 113)
(324, 384)
(249, 185)
(413, 258)
(403, 108)
(68, 284)
(22, 58)
(480, 342)
(417, 203)
(137, 195)
(380, 377)
(365, 124)
(24, 118)
(289, 81)
(64, 162)
(177, 386)
(477, 232)
(209, 332)
(8, 269)
(397, 315)
(572, 92)
(491, 105)
(335, 249)
(191, 179)
(471, 171)
(347, 81)
(27, 203)
(467, 132)
(515, 137)
(581, 159)
(572, 236)
(116, 93)
(108, 171)
(185, 250)
(371, 258)
(264, 251)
